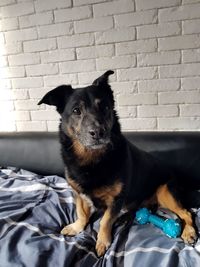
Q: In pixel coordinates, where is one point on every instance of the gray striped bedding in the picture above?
(34, 208)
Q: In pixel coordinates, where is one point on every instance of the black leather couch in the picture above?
(40, 152)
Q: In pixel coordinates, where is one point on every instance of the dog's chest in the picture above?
(100, 197)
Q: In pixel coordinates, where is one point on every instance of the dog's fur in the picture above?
(103, 168)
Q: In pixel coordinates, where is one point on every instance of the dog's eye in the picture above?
(77, 111)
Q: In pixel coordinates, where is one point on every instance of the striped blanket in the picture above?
(33, 210)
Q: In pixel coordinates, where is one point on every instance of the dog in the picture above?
(104, 169)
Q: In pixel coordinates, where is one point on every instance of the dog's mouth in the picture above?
(98, 144)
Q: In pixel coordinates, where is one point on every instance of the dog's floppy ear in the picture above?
(103, 79)
(57, 97)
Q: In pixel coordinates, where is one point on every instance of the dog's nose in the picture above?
(97, 133)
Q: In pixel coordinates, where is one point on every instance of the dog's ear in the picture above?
(103, 79)
(57, 97)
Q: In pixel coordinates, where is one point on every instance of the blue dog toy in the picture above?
(169, 226)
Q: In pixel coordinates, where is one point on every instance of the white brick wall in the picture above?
(153, 46)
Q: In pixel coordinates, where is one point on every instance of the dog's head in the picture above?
(87, 114)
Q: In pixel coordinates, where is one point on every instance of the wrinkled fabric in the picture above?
(33, 210)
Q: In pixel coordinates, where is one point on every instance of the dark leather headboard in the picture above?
(37, 152)
(40, 152)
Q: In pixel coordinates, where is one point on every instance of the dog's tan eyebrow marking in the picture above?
(97, 101)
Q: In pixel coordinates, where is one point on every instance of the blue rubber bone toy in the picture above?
(169, 226)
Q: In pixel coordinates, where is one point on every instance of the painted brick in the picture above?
(85, 2)
(6, 94)
(191, 26)
(137, 74)
(55, 30)
(36, 19)
(138, 124)
(116, 62)
(159, 85)
(179, 13)
(136, 18)
(37, 93)
(137, 99)
(127, 112)
(8, 126)
(3, 61)
(179, 42)
(162, 58)
(158, 111)
(20, 115)
(19, 9)
(158, 30)
(9, 24)
(21, 35)
(2, 40)
(28, 104)
(190, 55)
(115, 35)
(185, 2)
(150, 4)
(19, 94)
(44, 5)
(52, 126)
(57, 55)
(95, 51)
(181, 70)
(77, 40)
(139, 46)
(56, 80)
(178, 124)
(27, 82)
(77, 66)
(31, 126)
(93, 25)
(88, 77)
(5, 83)
(41, 115)
(6, 2)
(12, 72)
(110, 8)
(189, 110)
(179, 97)
(124, 87)
(24, 59)
(6, 106)
(72, 14)
(11, 48)
(190, 83)
(42, 69)
(39, 45)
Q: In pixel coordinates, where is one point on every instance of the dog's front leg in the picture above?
(104, 235)
(83, 215)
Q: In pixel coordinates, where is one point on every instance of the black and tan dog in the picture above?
(103, 168)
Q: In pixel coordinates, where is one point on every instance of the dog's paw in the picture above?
(101, 247)
(189, 235)
(71, 229)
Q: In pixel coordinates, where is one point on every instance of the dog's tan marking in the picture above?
(108, 193)
(86, 156)
(166, 200)
(83, 215)
(104, 235)
(74, 185)
(97, 101)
